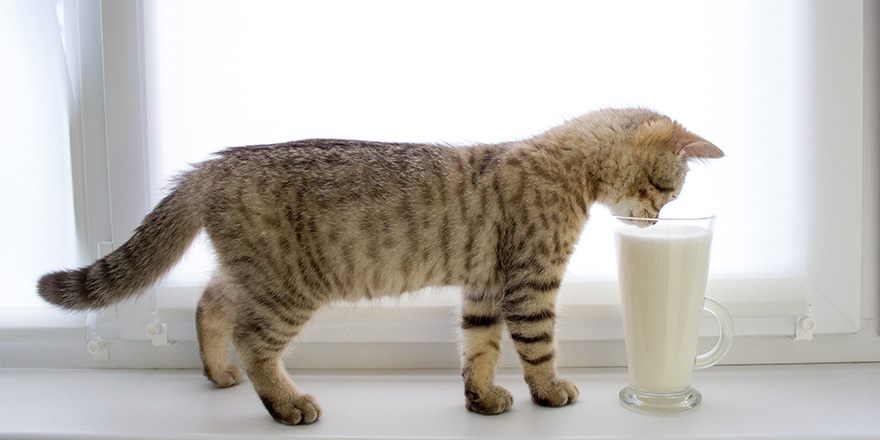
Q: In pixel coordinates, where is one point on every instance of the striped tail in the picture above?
(157, 244)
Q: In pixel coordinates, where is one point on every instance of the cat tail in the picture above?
(157, 244)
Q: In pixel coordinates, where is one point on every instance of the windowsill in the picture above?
(803, 401)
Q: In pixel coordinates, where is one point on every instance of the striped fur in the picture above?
(300, 224)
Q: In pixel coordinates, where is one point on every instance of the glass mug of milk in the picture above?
(662, 268)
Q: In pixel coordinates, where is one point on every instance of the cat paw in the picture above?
(496, 400)
(302, 410)
(556, 393)
(224, 377)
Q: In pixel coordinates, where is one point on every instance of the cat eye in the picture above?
(661, 188)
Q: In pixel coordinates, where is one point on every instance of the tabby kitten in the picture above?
(301, 224)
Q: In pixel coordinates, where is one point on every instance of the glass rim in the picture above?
(705, 216)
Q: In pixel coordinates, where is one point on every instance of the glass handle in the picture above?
(725, 340)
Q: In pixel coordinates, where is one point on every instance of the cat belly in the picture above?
(379, 257)
(397, 276)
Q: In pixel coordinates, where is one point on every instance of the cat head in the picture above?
(645, 166)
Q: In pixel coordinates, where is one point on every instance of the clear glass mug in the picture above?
(662, 268)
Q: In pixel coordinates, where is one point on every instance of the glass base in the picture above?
(666, 403)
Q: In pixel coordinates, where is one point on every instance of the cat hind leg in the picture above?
(214, 324)
(261, 338)
(481, 327)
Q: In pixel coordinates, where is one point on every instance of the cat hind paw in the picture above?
(224, 377)
(494, 401)
(301, 410)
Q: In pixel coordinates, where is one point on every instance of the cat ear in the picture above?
(690, 146)
(700, 149)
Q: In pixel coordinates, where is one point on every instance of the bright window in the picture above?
(738, 73)
(777, 85)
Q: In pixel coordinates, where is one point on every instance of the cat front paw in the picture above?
(301, 410)
(493, 401)
(555, 393)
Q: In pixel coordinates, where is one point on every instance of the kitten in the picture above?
(301, 224)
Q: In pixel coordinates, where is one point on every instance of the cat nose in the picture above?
(640, 217)
(649, 215)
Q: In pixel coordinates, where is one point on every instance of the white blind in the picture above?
(226, 73)
(37, 225)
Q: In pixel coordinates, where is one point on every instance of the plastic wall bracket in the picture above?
(100, 350)
(158, 333)
(803, 330)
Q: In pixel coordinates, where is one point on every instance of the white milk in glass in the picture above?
(662, 272)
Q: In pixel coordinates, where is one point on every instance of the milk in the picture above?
(662, 272)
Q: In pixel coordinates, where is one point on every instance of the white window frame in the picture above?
(824, 316)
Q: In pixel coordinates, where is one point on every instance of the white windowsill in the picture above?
(779, 402)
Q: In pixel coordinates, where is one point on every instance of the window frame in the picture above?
(111, 193)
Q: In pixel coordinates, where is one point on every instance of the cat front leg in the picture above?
(530, 313)
(481, 327)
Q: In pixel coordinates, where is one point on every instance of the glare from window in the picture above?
(225, 73)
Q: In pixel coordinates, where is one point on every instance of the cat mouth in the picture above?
(642, 221)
